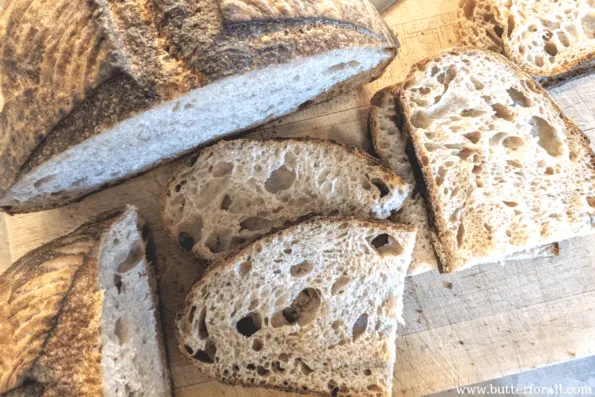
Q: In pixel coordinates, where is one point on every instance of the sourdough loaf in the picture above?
(237, 191)
(93, 92)
(79, 316)
(389, 144)
(312, 308)
(503, 169)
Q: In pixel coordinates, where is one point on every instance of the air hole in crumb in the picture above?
(306, 370)
(551, 48)
(303, 310)
(218, 240)
(203, 332)
(262, 371)
(547, 136)
(367, 372)
(221, 169)
(513, 142)
(420, 120)
(226, 202)
(122, 331)
(301, 269)
(474, 137)
(276, 366)
(118, 283)
(460, 235)
(381, 186)
(518, 97)
(207, 355)
(375, 388)
(359, 327)
(503, 112)
(511, 24)
(255, 223)
(186, 241)
(340, 285)
(280, 179)
(591, 201)
(188, 350)
(336, 324)
(244, 268)
(135, 254)
(250, 324)
(511, 204)
(257, 345)
(386, 245)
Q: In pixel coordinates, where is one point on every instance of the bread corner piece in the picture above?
(147, 81)
(311, 309)
(503, 169)
(79, 316)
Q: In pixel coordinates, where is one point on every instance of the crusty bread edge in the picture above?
(447, 259)
(264, 240)
(325, 142)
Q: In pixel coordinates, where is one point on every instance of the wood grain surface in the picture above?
(462, 328)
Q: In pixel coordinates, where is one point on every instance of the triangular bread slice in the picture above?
(503, 169)
(79, 315)
(312, 308)
(390, 144)
(551, 40)
(239, 190)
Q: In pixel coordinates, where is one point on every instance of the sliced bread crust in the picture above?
(312, 308)
(390, 145)
(237, 191)
(502, 168)
(79, 315)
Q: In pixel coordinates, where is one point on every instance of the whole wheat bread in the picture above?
(503, 169)
(142, 82)
(552, 40)
(390, 144)
(79, 316)
(312, 309)
(237, 191)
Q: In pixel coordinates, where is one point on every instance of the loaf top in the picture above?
(70, 69)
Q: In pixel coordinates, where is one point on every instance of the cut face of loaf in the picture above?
(311, 309)
(146, 82)
(79, 316)
(239, 190)
(551, 40)
(390, 145)
(503, 169)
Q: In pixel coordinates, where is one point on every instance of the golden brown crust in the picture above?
(50, 305)
(388, 173)
(447, 258)
(122, 67)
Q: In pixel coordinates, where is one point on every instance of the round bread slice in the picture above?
(239, 190)
(312, 308)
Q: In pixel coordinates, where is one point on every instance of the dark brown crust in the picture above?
(264, 240)
(68, 269)
(350, 149)
(446, 257)
(203, 48)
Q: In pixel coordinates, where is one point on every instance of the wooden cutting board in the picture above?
(472, 326)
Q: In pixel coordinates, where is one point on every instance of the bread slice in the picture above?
(480, 24)
(503, 169)
(390, 144)
(79, 316)
(312, 308)
(144, 82)
(239, 190)
(551, 40)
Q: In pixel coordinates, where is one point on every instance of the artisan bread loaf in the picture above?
(94, 92)
(79, 316)
(237, 191)
(311, 309)
(390, 144)
(552, 40)
(503, 169)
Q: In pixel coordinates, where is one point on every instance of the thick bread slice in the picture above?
(79, 316)
(312, 308)
(503, 169)
(239, 190)
(390, 143)
(93, 92)
(480, 25)
(551, 40)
